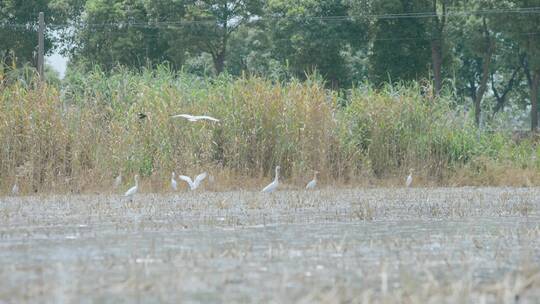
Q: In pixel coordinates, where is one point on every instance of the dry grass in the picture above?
(78, 137)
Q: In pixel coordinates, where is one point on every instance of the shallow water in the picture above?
(464, 245)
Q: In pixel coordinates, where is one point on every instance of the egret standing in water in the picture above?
(409, 178)
(312, 184)
(174, 185)
(133, 190)
(193, 184)
(273, 185)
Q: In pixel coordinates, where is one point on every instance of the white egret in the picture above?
(273, 185)
(409, 178)
(174, 185)
(193, 118)
(193, 184)
(133, 190)
(312, 184)
(15, 188)
(118, 181)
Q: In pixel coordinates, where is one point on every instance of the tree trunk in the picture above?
(486, 62)
(482, 88)
(436, 58)
(501, 98)
(219, 57)
(437, 43)
(534, 100)
(219, 61)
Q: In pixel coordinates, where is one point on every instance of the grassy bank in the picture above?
(78, 136)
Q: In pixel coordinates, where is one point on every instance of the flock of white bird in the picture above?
(194, 184)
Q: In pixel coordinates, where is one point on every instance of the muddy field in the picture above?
(467, 245)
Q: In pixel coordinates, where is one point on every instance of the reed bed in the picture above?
(78, 135)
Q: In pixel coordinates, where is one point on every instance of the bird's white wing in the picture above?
(131, 191)
(207, 118)
(199, 179)
(187, 179)
(311, 184)
(409, 180)
(270, 187)
(186, 116)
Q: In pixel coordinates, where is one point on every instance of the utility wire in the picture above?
(331, 39)
(156, 24)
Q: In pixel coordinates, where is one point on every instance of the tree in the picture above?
(438, 23)
(400, 45)
(18, 29)
(210, 24)
(250, 51)
(408, 31)
(507, 74)
(523, 27)
(128, 32)
(474, 46)
(311, 36)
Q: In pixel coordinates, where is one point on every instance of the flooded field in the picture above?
(444, 245)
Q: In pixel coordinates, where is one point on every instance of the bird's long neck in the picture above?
(277, 176)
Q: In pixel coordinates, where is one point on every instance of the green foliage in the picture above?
(313, 44)
(398, 128)
(213, 22)
(401, 50)
(121, 33)
(18, 30)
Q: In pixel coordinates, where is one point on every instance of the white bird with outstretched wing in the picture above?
(194, 118)
(193, 184)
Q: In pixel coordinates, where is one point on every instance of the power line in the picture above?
(416, 38)
(390, 39)
(158, 24)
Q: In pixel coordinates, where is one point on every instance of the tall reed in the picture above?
(78, 136)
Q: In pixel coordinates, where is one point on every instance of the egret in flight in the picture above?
(273, 185)
(409, 178)
(193, 118)
(133, 190)
(193, 184)
(174, 185)
(312, 184)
